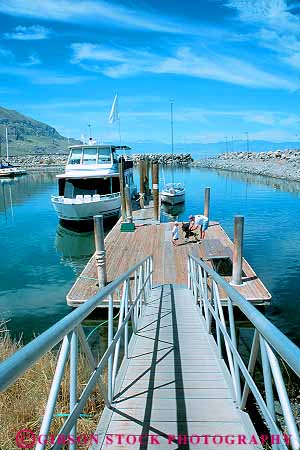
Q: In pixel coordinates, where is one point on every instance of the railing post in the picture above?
(283, 398)
(237, 269)
(110, 333)
(128, 204)
(73, 382)
(233, 338)
(126, 325)
(251, 366)
(267, 378)
(155, 191)
(189, 272)
(206, 201)
(100, 251)
(122, 192)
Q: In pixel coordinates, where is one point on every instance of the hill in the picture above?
(26, 135)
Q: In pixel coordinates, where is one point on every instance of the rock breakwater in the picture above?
(284, 164)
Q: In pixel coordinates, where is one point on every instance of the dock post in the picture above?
(142, 187)
(128, 204)
(100, 251)
(121, 176)
(237, 268)
(155, 182)
(206, 202)
(146, 177)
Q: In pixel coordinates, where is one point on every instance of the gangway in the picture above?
(179, 375)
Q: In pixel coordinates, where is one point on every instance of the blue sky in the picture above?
(230, 66)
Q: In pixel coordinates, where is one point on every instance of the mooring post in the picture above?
(206, 202)
(100, 251)
(237, 268)
(122, 192)
(128, 204)
(155, 182)
(146, 177)
(142, 187)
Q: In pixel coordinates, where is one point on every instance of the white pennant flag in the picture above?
(114, 112)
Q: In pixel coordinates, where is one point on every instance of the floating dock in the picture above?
(124, 249)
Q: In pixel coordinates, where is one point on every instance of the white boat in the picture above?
(6, 169)
(172, 193)
(91, 183)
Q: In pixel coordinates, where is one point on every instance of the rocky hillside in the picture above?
(26, 135)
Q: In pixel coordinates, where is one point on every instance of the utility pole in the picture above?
(247, 140)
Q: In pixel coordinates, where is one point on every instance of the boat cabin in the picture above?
(93, 170)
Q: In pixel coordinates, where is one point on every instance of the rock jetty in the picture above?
(284, 164)
(35, 162)
(165, 158)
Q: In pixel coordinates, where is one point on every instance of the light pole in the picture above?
(247, 140)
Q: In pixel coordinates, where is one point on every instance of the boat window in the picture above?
(104, 155)
(89, 156)
(75, 156)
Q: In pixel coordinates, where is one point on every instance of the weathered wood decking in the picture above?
(172, 383)
(123, 250)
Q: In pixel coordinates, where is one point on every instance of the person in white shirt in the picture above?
(199, 222)
(175, 234)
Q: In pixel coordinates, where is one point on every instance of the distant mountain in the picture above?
(26, 135)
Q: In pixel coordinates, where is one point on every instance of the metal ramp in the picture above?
(173, 388)
(182, 380)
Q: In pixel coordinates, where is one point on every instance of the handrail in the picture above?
(13, 367)
(205, 284)
(288, 351)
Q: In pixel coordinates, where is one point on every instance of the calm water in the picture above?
(40, 259)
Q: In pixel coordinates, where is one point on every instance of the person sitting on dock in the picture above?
(175, 234)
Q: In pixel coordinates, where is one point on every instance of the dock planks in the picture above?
(124, 249)
(172, 382)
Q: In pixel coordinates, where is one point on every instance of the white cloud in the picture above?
(119, 62)
(273, 13)
(89, 12)
(32, 33)
(278, 28)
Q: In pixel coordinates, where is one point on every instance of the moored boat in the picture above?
(91, 182)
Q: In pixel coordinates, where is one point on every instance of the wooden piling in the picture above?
(128, 204)
(206, 201)
(122, 191)
(100, 254)
(142, 186)
(237, 260)
(155, 182)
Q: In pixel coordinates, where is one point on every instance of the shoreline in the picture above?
(284, 165)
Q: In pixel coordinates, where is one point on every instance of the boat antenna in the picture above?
(172, 139)
(90, 133)
(6, 137)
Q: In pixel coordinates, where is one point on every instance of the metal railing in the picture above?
(134, 286)
(274, 348)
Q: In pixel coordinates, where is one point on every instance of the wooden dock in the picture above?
(124, 249)
(172, 383)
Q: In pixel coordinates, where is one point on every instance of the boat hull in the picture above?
(172, 199)
(77, 211)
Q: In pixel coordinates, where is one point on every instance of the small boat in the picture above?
(172, 193)
(6, 169)
(91, 182)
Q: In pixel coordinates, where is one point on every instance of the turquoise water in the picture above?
(40, 259)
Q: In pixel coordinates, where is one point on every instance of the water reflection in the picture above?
(171, 213)
(75, 246)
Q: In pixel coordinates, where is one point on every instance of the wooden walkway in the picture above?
(123, 250)
(173, 382)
